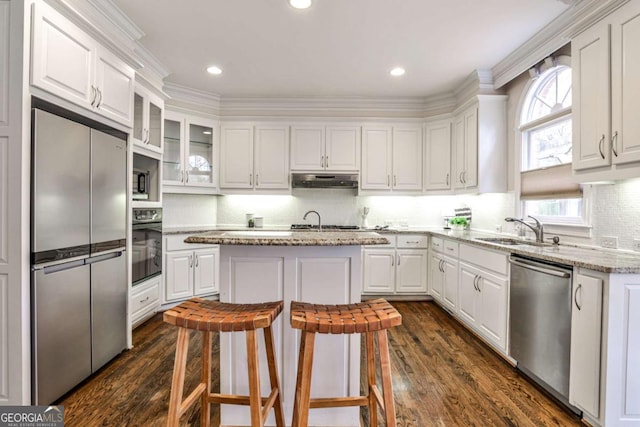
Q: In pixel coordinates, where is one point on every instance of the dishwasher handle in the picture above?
(538, 267)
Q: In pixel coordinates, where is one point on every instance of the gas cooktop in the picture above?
(324, 227)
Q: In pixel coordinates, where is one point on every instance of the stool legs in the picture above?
(385, 371)
(255, 402)
(205, 405)
(273, 376)
(177, 383)
(371, 377)
(303, 383)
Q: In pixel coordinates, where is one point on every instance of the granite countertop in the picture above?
(593, 258)
(288, 238)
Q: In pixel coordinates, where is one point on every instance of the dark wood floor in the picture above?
(443, 376)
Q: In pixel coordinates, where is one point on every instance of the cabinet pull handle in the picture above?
(250, 180)
(575, 297)
(257, 180)
(393, 260)
(460, 178)
(93, 95)
(613, 146)
(190, 261)
(187, 176)
(326, 161)
(440, 267)
(412, 242)
(99, 98)
(321, 161)
(600, 144)
(394, 180)
(181, 175)
(398, 259)
(388, 180)
(148, 135)
(447, 184)
(196, 260)
(144, 300)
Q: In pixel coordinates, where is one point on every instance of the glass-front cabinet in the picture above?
(147, 120)
(190, 163)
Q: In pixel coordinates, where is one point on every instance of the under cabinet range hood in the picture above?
(304, 180)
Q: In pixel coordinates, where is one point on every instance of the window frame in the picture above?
(573, 226)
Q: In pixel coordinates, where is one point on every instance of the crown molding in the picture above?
(198, 99)
(552, 37)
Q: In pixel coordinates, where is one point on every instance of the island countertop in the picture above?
(288, 238)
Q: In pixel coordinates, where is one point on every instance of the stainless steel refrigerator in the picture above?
(78, 235)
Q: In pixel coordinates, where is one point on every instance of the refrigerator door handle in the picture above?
(103, 257)
(60, 267)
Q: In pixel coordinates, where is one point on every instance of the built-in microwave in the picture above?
(140, 184)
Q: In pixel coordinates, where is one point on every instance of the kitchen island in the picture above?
(317, 267)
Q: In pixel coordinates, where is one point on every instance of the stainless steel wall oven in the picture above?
(146, 254)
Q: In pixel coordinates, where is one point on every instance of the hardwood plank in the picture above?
(442, 376)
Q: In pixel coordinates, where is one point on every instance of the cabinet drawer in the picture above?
(412, 241)
(175, 242)
(486, 259)
(437, 244)
(450, 248)
(142, 300)
(390, 237)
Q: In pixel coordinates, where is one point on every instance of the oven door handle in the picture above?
(537, 267)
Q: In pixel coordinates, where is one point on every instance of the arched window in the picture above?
(546, 188)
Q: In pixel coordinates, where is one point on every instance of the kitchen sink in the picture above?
(257, 234)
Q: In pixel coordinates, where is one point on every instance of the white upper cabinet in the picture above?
(391, 158)
(437, 157)
(68, 63)
(606, 81)
(480, 146)
(254, 157)
(190, 155)
(320, 148)
(148, 116)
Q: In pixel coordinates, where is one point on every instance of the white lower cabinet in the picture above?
(586, 325)
(444, 272)
(145, 300)
(190, 272)
(399, 268)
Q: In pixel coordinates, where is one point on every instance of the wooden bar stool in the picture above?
(213, 316)
(370, 318)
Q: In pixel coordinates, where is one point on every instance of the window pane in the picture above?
(548, 145)
(551, 93)
(554, 208)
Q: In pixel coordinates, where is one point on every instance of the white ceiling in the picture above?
(335, 48)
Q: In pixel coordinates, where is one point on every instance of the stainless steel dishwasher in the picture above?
(540, 323)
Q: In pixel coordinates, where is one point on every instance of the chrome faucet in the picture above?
(319, 220)
(538, 229)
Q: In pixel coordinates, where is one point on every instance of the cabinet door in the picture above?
(379, 271)
(407, 158)
(450, 296)
(307, 148)
(625, 83)
(437, 159)
(62, 58)
(586, 324)
(271, 165)
(172, 166)
(470, 173)
(492, 308)
(206, 271)
(200, 153)
(468, 296)
(459, 151)
(376, 158)
(591, 97)
(236, 156)
(114, 81)
(411, 271)
(342, 149)
(179, 275)
(148, 115)
(436, 277)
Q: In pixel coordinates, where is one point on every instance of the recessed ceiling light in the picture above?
(214, 70)
(397, 72)
(300, 4)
